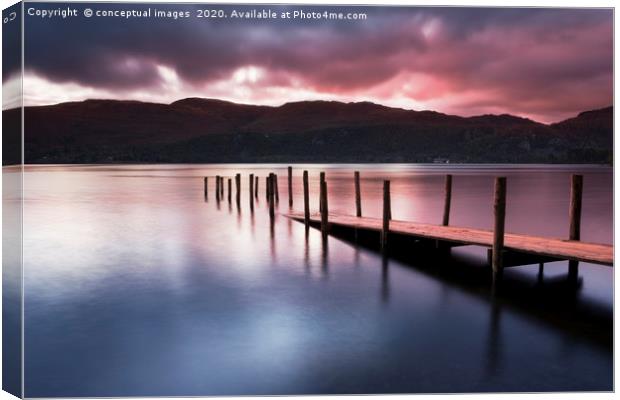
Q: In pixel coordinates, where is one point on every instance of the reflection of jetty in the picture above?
(505, 249)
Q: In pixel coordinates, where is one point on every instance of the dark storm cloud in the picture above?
(520, 54)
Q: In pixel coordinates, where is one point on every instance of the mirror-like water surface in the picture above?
(137, 285)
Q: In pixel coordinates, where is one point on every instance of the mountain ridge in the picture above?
(214, 130)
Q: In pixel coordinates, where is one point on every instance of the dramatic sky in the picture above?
(545, 64)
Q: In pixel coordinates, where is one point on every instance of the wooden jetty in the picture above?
(504, 249)
(563, 249)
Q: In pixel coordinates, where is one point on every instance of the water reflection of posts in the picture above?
(385, 279)
(306, 201)
(574, 215)
(541, 272)
(447, 200)
(325, 256)
(307, 251)
(499, 211)
(494, 340)
(324, 210)
(290, 187)
(229, 190)
(251, 193)
(206, 188)
(386, 215)
(358, 194)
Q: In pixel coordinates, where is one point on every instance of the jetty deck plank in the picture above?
(542, 246)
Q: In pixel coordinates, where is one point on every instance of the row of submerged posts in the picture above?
(271, 189)
(272, 196)
(499, 207)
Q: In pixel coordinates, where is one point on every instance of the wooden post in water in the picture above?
(222, 187)
(386, 215)
(229, 190)
(325, 210)
(447, 200)
(275, 187)
(206, 187)
(499, 211)
(252, 192)
(256, 187)
(574, 215)
(358, 194)
(267, 186)
(290, 187)
(217, 187)
(271, 200)
(390, 209)
(238, 189)
(306, 200)
(321, 180)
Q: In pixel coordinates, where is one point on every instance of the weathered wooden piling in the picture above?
(306, 200)
(386, 215)
(217, 187)
(271, 197)
(574, 215)
(499, 211)
(251, 191)
(256, 187)
(206, 187)
(447, 200)
(325, 209)
(390, 209)
(222, 187)
(238, 189)
(229, 190)
(321, 180)
(275, 188)
(290, 187)
(358, 195)
(267, 186)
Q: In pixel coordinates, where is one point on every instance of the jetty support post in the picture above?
(267, 186)
(270, 185)
(306, 200)
(324, 211)
(256, 187)
(499, 211)
(574, 215)
(206, 187)
(238, 189)
(290, 187)
(386, 215)
(222, 187)
(321, 180)
(229, 190)
(447, 200)
(275, 187)
(358, 195)
(252, 192)
(217, 187)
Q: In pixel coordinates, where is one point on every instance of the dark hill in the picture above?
(209, 130)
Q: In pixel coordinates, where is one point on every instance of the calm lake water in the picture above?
(136, 285)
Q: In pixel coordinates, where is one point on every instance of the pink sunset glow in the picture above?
(543, 64)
